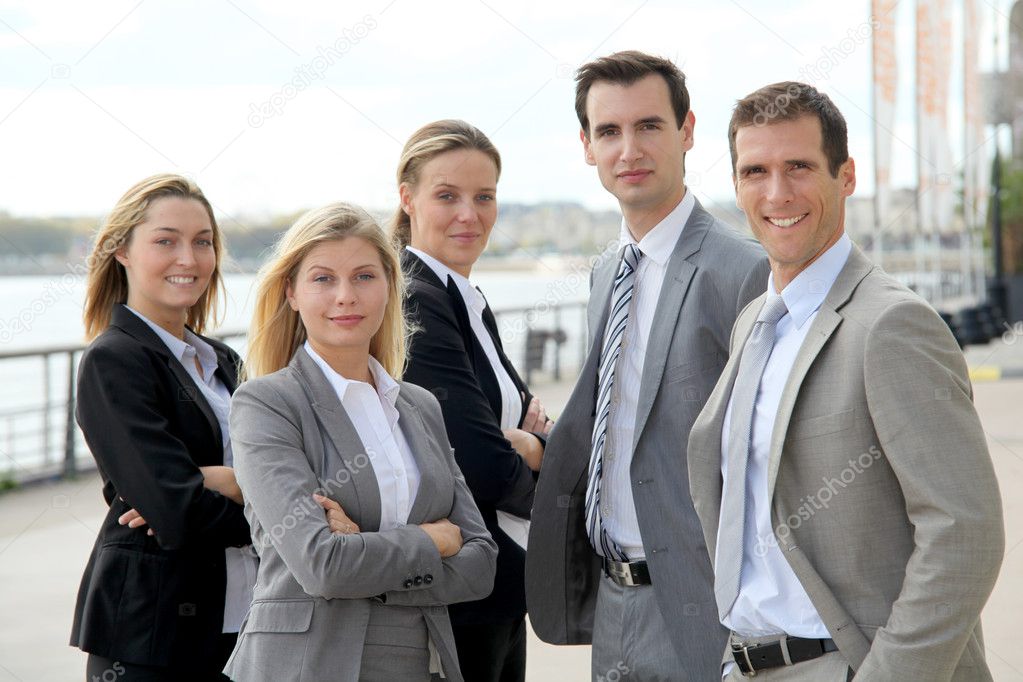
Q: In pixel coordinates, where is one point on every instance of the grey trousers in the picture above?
(630, 638)
(397, 646)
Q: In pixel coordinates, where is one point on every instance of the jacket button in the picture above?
(427, 578)
(418, 581)
(408, 584)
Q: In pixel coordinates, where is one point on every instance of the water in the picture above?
(39, 312)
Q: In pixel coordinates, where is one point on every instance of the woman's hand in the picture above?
(222, 480)
(445, 535)
(133, 519)
(536, 420)
(527, 445)
(338, 521)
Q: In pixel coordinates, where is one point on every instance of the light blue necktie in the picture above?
(735, 498)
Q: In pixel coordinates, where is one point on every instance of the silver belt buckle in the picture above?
(622, 571)
(743, 647)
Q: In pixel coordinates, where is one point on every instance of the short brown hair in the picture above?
(625, 68)
(787, 101)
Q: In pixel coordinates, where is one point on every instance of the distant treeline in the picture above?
(48, 245)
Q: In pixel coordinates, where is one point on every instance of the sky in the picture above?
(275, 107)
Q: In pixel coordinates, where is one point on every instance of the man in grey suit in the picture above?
(839, 468)
(616, 555)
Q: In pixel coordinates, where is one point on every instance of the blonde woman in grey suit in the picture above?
(365, 528)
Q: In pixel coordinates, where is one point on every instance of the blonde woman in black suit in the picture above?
(447, 179)
(357, 589)
(168, 581)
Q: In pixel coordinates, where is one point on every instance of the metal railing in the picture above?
(40, 439)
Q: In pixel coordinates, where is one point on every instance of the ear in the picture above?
(587, 152)
(688, 126)
(405, 195)
(289, 293)
(121, 255)
(847, 174)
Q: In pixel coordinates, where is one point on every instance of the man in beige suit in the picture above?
(839, 469)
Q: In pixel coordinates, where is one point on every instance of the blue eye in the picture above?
(204, 242)
(321, 278)
(164, 242)
(365, 276)
(486, 197)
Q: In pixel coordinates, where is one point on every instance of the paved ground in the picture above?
(46, 532)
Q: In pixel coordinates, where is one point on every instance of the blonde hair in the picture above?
(107, 283)
(277, 330)
(430, 141)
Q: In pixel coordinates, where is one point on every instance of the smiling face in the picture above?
(638, 148)
(453, 207)
(794, 206)
(340, 292)
(169, 260)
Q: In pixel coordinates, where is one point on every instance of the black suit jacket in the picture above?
(153, 600)
(446, 358)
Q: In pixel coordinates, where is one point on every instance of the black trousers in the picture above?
(101, 669)
(492, 652)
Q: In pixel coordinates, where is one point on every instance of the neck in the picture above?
(173, 321)
(463, 270)
(641, 219)
(351, 363)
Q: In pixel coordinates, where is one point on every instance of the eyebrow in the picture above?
(448, 184)
(599, 128)
(177, 231)
(314, 266)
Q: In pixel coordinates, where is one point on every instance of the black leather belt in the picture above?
(752, 658)
(627, 573)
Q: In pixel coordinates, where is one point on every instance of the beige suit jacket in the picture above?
(884, 499)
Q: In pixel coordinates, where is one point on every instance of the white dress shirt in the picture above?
(241, 562)
(771, 599)
(375, 418)
(617, 507)
(511, 402)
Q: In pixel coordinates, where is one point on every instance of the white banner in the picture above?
(934, 155)
(976, 165)
(886, 83)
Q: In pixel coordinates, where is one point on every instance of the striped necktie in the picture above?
(735, 496)
(610, 351)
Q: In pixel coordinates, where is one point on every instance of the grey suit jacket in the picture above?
(884, 500)
(291, 437)
(712, 274)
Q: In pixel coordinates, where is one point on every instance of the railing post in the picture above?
(46, 410)
(557, 344)
(70, 466)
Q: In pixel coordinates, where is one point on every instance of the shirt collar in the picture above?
(387, 388)
(470, 294)
(805, 294)
(184, 349)
(659, 243)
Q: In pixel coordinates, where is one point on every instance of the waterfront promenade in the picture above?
(47, 531)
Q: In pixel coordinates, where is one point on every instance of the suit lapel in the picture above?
(716, 408)
(824, 325)
(349, 448)
(137, 328)
(677, 277)
(427, 454)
